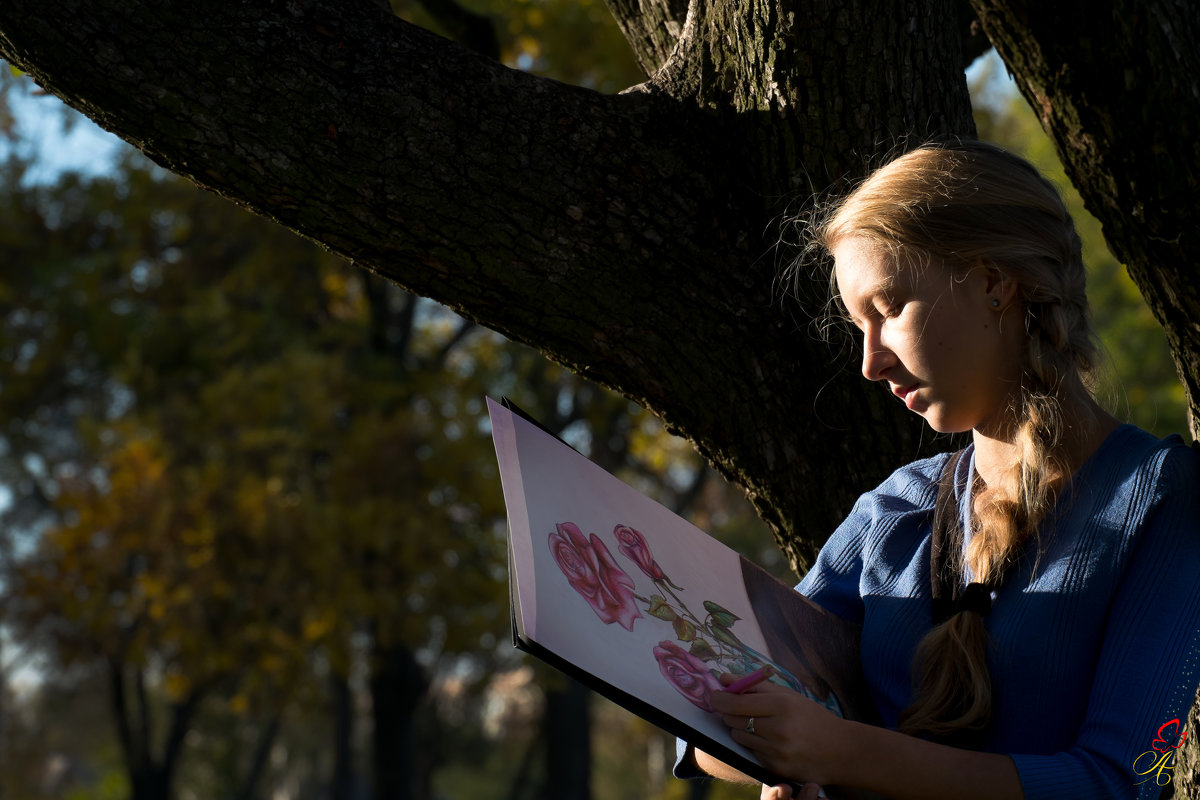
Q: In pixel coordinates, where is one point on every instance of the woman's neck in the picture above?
(1086, 427)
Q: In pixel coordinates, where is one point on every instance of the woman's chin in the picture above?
(942, 424)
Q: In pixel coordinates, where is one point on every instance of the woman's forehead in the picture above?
(863, 267)
(865, 270)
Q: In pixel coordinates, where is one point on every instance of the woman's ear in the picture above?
(1001, 289)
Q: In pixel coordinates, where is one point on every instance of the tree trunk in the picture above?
(652, 28)
(259, 758)
(397, 686)
(341, 781)
(148, 780)
(567, 733)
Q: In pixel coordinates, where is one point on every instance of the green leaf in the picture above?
(726, 637)
(660, 608)
(17, 73)
(702, 650)
(684, 630)
(721, 616)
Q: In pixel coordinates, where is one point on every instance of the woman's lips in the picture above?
(906, 393)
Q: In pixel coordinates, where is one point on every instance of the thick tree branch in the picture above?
(630, 237)
(651, 27)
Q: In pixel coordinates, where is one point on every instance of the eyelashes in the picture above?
(889, 309)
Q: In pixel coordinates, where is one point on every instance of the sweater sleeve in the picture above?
(833, 580)
(1147, 670)
(902, 502)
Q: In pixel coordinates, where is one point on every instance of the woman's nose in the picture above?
(876, 357)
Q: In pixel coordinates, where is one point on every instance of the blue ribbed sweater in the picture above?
(1093, 645)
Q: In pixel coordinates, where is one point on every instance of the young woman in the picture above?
(1066, 636)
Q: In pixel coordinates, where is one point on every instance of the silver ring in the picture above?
(750, 726)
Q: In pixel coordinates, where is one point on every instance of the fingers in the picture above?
(752, 702)
(782, 792)
(739, 722)
(759, 700)
(728, 678)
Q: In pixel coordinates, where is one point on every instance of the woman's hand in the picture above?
(792, 736)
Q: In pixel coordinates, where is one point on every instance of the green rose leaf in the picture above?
(726, 637)
(702, 650)
(721, 616)
(660, 608)
(684, 630)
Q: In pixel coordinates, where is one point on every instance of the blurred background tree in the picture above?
(253, 543)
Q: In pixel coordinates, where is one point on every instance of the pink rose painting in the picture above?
(689, 675)
(591, 571)
(712, 647)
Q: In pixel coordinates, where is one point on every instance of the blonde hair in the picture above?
(962, 204)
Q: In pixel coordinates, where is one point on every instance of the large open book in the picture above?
(646, 609)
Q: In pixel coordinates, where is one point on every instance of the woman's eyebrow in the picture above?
(885, 287)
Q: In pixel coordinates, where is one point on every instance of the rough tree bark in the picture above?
(652, 28)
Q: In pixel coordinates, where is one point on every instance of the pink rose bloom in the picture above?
(633, 545)
(688, 674)
(591, 571)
